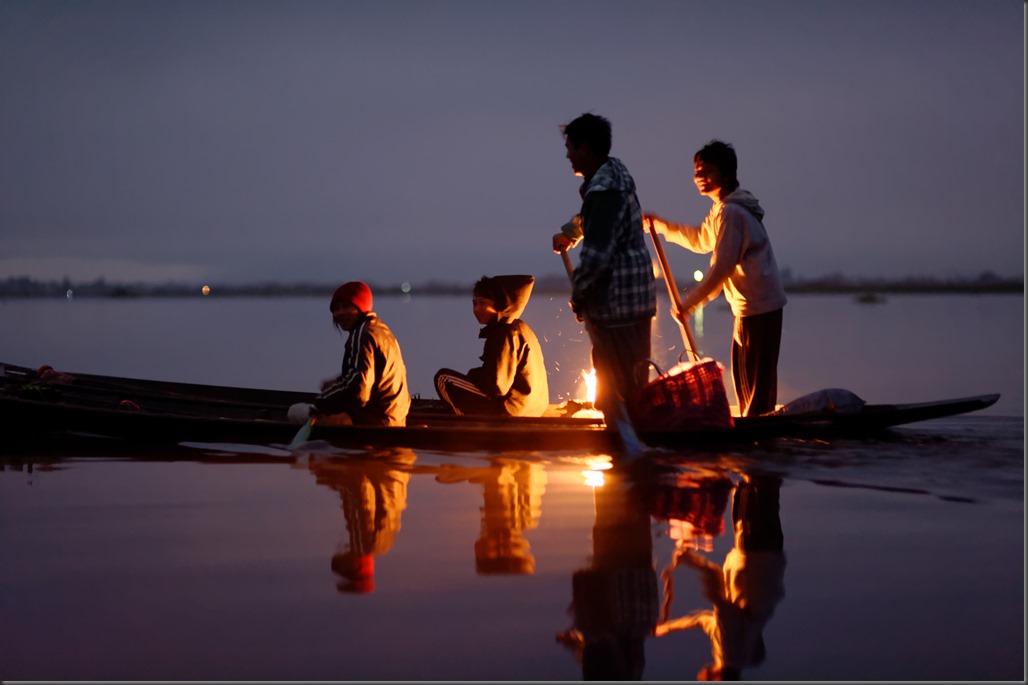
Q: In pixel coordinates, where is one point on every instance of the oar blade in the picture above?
(302, 435)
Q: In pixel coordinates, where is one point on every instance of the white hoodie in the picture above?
(742, 262)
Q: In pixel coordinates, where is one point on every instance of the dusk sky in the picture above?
(230, 141)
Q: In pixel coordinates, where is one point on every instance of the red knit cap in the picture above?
(357, 572)
(356, 293)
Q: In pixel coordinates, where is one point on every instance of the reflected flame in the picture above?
(593, 473)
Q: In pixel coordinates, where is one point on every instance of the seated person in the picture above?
(512, 378)
(371, 390)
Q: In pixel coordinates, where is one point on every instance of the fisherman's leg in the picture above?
(755, 514)
(605, 386)
(462, 395)
(756, 341)
(766, 340)
(617, 351)
(631, 348)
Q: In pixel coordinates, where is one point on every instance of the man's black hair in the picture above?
(591, 130)
(722, 156)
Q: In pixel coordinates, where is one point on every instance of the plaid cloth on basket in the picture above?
(689, 396)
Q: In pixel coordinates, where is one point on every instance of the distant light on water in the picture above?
(206, 290)
(697, 275)
(405, 287)
(68, 294)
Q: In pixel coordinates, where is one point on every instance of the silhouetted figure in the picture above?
(613, 290)
(614, 601)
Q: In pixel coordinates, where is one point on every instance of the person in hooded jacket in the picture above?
(742, 265)
(512, 378)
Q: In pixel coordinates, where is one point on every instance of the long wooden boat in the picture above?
(39, 402)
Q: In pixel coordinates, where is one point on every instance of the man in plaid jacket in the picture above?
(613, 288)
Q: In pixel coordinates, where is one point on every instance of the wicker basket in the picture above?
(690, 396)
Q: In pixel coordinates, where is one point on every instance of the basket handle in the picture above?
(690, 353)
(647, 363)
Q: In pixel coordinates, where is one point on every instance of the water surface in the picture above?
(900, 556)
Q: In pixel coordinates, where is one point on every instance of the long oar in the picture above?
(567, 264)
(302, 435)
(672, 290)
(570, 269)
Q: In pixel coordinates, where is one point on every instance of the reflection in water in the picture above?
(745, 591)
(614, 600)
(373, 494)
(512, 490)
(692, 505)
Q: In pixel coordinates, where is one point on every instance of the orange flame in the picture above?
(590, 384)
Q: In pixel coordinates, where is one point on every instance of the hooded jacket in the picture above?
(742, 263)
(372, 387)
(512, 359)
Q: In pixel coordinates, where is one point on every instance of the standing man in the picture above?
(742, 264)
(613, 289)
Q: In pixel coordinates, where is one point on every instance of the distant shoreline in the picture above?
(24, 288)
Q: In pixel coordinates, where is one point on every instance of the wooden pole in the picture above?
(672, 290)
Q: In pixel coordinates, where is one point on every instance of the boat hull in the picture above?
(37, 404)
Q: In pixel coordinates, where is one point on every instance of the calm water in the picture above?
(897, 559)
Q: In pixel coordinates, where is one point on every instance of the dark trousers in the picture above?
(756, 341)
(618, 353)
(464, 396)
(758, 524)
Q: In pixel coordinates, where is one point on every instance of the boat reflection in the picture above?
(744, 591)
(512, 491)
(373, 495)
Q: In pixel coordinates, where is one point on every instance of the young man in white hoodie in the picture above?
(742, 264)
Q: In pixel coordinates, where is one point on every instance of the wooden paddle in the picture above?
(570, 269)
(302, 435)
(672, 290)
(567, 264)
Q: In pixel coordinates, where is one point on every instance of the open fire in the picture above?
(589, 382)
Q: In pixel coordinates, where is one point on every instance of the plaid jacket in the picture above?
(614, 279)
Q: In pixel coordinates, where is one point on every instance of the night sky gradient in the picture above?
(322, 141)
